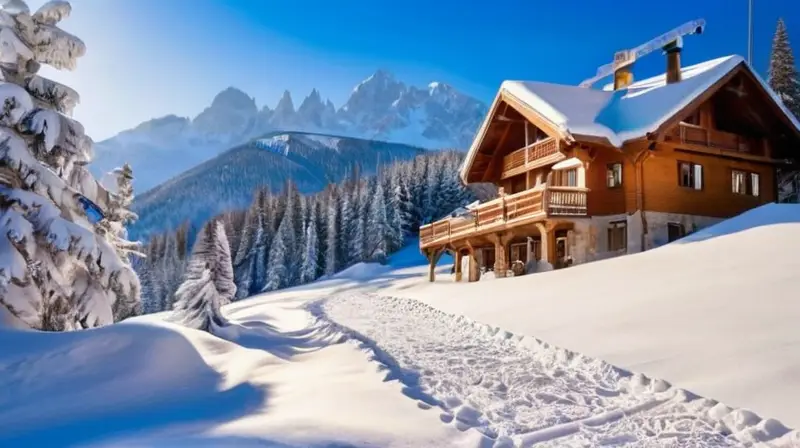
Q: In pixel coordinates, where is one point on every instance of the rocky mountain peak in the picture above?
(233, 98)
(285, 105)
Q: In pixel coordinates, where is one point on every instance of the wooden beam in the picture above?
(532, 115)
(700, 149)
(496, 158)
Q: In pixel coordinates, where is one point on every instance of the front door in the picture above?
(562, 250)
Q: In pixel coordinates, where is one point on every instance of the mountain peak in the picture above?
(382, 73)
(285, 104)
(233, 98)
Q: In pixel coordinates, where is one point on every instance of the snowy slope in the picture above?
(356, 361)
(379, 108)
(715, 313)
(149, 383)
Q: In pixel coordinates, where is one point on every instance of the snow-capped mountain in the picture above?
(379, 108)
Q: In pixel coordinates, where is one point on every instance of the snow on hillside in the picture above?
(654, 341)
(715, 313)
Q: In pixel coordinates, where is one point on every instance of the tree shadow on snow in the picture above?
(96, 386)
(263, 336)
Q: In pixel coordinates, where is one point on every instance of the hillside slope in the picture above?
(230, 179)
(716, 313)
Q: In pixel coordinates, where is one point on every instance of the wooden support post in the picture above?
(457, 262)
(474, 267)
(500, 253)
(545, 260)
(433, 256)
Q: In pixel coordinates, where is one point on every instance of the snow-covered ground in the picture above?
(376, 356)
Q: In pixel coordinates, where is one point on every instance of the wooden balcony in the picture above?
(535, 155)
(506, 212)
(724, 142)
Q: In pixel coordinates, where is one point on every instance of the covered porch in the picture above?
(537, 246)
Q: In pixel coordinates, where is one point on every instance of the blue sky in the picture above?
(148, 58)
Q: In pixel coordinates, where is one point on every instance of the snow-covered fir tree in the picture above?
(57, 272)
(112, 226)
(278, 275)
(783, 75)
(378, 237)
(333, 258)
(400, 205)
(309, 270)
(208, 283)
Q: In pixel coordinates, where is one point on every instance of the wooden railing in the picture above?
(506, 210)
(530, 154)
(569, 201)
(712, 138)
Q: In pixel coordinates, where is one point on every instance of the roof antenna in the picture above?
(750, 33)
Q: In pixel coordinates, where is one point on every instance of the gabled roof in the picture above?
(615, 117)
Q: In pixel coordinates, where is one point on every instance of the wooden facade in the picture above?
(570, 199)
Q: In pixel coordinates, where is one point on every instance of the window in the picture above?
(566, 178)
(690, 175)
(614, 175)
(745, 183)
(617, 236)
(675, 231)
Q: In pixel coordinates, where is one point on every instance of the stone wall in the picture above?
(589, 239)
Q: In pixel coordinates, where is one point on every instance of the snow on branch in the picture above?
(56, 47)
(42, 180)
(58, 130)
(12, 48)
(62, 98)
(62, 235)
(16, 104)
(52, 12)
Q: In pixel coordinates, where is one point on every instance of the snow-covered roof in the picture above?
(621, 115)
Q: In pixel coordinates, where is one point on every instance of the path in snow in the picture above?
(522, 391)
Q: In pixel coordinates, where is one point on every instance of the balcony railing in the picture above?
(535, 155)
(506, 212)
(696, 135)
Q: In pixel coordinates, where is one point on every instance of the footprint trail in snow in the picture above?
(522, 392)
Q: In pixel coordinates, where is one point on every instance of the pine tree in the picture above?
(57, 272)
(308, 272)
(400, 217)
(112, 226)
(278, 275)
(783, 76)
(379, 230)
(322, 233)
(333, 256)
(208, 282)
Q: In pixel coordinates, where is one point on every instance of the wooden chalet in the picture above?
(585, 174)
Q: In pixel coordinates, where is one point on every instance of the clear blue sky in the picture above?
(148, 58)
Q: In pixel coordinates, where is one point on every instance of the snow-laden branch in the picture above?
(60, 97)
(42, 180)
(52, 12)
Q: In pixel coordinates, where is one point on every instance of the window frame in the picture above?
(623, 243)
(610, 175)
(693, 175)
(562, 177)
(681, 231)
(751, 183)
